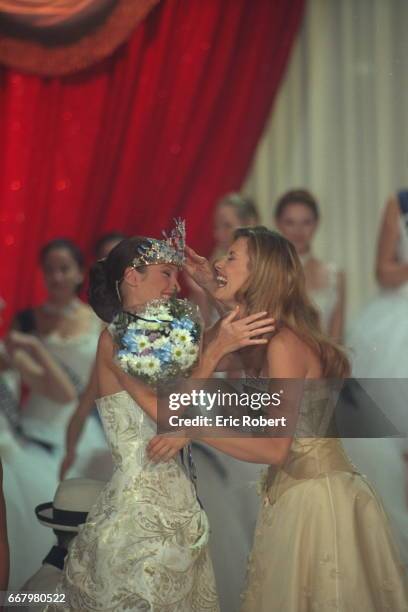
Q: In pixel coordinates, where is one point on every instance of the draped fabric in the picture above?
(339, 128)
(54, 38)
(46, 12)
(163, 128)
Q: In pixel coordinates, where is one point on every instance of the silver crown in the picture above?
(170, 250)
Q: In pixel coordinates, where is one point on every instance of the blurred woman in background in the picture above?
(297, 218)
(28, 467)
(378, 340)
(69, 330)
(232, 211)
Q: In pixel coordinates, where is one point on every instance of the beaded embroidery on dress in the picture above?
(144, 545)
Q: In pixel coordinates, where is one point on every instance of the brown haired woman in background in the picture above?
(297, 218)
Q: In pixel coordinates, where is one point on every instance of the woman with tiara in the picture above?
(223, 483)
(297, 218)
(378, 340)
(322, 540)
(144, 545)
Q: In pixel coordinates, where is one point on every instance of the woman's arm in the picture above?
(229, 363)
(76, 424)
(389, 271)
(336, 327)
(144, 395)
(284, 361)
(197, 295)
(232, 335)
(38, 369)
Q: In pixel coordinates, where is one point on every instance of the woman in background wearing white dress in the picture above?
(297, 218)
(69, 330)
(378, 340)
(27, 465)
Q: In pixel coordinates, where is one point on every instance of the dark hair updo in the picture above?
(297, 196)
(106, 274)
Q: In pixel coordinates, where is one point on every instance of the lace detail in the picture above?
(144, 545)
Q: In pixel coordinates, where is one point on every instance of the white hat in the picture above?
(73, 499)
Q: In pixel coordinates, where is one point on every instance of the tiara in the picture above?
(170, 250)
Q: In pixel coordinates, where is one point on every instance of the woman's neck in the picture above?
(132, 306)
(64, 307)
(305, 257)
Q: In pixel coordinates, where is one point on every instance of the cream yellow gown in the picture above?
(322, 540)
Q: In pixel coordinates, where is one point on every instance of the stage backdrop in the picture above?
(163, 127)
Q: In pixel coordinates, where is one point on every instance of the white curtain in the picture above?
(340, 128)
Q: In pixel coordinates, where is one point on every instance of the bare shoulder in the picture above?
(287, 355)
(105, 338)
(285, 341)
(106, 371)
(105, 344)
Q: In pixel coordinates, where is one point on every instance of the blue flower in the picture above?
(183, 323)
(164, 354)
(130, 342)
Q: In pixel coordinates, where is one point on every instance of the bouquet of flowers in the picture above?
(160, 342)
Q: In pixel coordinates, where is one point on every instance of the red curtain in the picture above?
(163, 128)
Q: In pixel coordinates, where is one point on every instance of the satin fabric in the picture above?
(322, 540)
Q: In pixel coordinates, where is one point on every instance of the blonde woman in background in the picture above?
(232, 211)
(297, 218)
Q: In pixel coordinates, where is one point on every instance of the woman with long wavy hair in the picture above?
(322, 540)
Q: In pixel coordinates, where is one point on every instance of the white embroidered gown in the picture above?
(144, 545)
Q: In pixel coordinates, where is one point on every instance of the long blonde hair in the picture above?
(277, 285)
